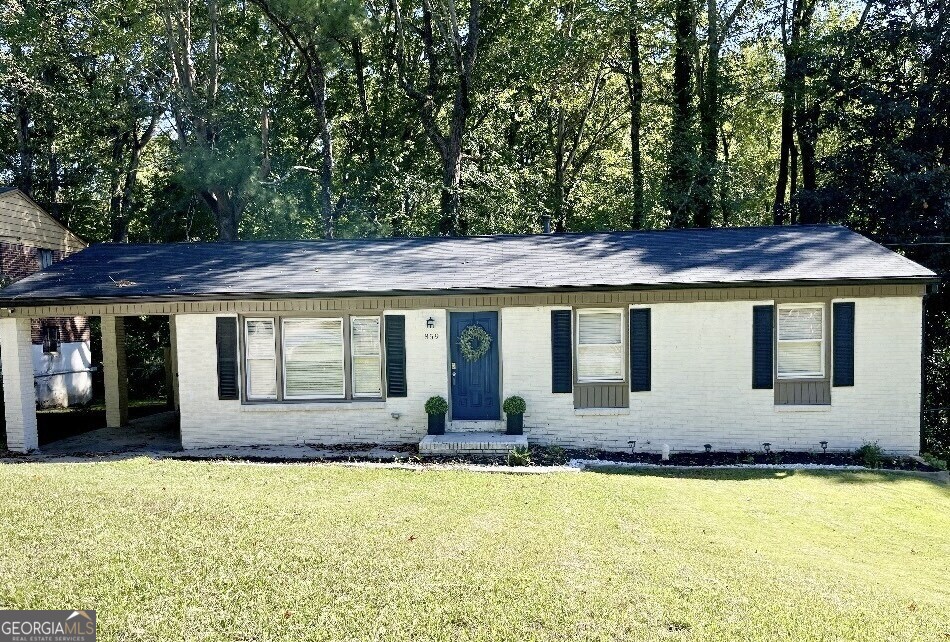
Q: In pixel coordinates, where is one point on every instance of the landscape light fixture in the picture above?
(633, 445)
(767, 447)
(824, 447)
(708, 447)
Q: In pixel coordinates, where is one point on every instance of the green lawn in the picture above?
(205, 551)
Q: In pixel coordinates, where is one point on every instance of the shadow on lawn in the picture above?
(862, 477)
(856, 477)
(710, 474)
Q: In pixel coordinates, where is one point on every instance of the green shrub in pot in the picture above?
(436, 407)
(514, 408)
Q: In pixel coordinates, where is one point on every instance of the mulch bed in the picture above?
(736, 458)
(555, 456)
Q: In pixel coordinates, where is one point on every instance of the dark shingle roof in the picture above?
(611, 260)
(6, 188)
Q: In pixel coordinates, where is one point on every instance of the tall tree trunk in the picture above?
(367, 140)
(450, 201)
(55, 204)
(463, 43)
(452, 221)
(806, 114)
(779, 208)
(558, 191)
(225, 210)
(793, 187)
(725, 202)
(118, 227)
(327, 211)
(680, 178)
(634, 79)
(24, 170)
(797, 121)
(709, 121)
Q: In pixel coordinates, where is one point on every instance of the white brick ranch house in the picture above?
(678, 338)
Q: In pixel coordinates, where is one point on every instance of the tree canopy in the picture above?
(251, 119)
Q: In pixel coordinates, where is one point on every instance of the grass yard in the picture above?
(210, 551)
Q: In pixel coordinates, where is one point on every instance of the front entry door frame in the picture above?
(498, 371)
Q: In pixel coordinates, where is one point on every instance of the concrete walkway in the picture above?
(152, 435)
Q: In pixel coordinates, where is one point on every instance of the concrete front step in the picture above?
(479, 425)
(471, 443)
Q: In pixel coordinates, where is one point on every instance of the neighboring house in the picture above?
(631, 340)
(32, 240)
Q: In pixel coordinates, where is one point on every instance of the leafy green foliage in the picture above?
(936, 462)
(514, 405)
(436, 405)
(519, 456)
(870, 455)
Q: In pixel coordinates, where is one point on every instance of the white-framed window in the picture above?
(366, 357)
(800, 341)
(313, 356)
(600, 345)
(260, 345)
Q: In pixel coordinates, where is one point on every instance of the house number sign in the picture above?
(432, 336)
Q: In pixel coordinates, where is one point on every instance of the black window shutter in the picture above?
(639, 349)
(562, 368)
(843, 344)
(395, 355)
(762, 319)
(226, 341)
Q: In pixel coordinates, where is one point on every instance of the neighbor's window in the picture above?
(313, 359)
(600, 345)
(50, 335)
(46, 258)
(261, 359)
(366, 357)
(801, 341)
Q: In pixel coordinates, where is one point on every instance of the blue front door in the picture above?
(474, 380)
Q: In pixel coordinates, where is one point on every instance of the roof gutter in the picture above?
(7, 303)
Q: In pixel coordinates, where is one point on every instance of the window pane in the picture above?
(313, 358)
(799, 358)
(367, 360)
(799, 323)
(600, 346)
(599, 327)
(600, 363)
(800, 337)
(261, 363)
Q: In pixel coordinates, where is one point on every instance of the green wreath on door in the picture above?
(474, 343)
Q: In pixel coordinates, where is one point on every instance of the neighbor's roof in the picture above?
(482, 264)
(23, 221)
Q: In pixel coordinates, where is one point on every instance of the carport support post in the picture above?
(173, 357)
(114, 372)
(19, 395)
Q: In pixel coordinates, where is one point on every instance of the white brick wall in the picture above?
(701, 389)
(207, 421)
(702, 385)
(19, 395)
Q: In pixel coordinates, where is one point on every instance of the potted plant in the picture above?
(436, 407)
(514, 408)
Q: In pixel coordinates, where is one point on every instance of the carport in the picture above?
(18, 376)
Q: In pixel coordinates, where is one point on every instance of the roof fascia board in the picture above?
(67, 301)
